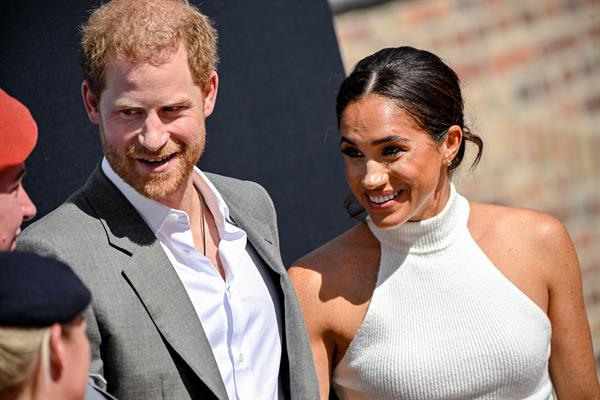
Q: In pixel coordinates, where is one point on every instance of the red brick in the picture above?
(358, 33)
(507, 21)
(594, 32)
(559, 44)
(528, 17)
(570, 109)
(592, 103)
(427, 12)
(551, 8)
(470, 70)
(512, 58)
(567, 75)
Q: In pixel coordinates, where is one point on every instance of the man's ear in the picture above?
(91, 103)
(452, 142)
(210, 93)
(57, 352)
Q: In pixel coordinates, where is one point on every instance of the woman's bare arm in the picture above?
(308, 282)
(572, 366)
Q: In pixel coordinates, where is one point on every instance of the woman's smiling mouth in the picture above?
(382, 198)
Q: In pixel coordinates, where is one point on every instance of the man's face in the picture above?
(15, 206)
(152, 122)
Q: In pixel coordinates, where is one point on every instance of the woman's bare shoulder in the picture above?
(340, 250)
(511, 224)
(337, 262)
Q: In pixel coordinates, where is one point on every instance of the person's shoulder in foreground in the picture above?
(18, 134)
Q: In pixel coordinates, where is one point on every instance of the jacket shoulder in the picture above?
(244, 194)
(74, 211)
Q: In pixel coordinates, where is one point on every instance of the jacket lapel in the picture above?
(153, 278)
(259, 233)
(260, 236)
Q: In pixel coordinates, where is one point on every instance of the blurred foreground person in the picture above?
(435, 296)
(44, 352)
(18, 136)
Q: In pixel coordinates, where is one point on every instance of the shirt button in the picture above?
(242, 357)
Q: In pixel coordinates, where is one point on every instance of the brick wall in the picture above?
(531, 80)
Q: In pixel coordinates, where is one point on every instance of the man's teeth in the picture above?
(382, 199)
(157, 161)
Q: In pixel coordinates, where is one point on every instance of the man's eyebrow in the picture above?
(122, 103)
(16, 181)
(344, 139)
(129, 103)
(21, 174)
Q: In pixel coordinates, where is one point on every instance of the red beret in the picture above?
(18, 131)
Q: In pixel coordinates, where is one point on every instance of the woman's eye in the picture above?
(351, 152)
(391, 150)
(172, 109)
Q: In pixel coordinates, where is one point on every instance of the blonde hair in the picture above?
(20, 350)
(148, 31)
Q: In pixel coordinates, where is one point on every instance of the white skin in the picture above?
(398, 173)
(152, 125)
(15, 205)
(68, 365)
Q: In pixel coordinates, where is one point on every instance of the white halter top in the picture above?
(444, 323)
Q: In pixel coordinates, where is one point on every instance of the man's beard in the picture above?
(160, 185)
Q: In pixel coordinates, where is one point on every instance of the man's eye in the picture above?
(14, 191)
(351, 152)
(128, 112)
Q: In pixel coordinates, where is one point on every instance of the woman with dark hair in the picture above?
(434, 296)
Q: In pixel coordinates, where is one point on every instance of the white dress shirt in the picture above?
(240, 315)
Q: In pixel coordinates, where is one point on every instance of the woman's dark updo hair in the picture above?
(421, 84)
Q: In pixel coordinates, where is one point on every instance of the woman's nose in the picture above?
(376, 175)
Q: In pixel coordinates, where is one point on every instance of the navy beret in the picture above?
(38, 291)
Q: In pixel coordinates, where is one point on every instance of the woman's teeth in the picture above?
(382, 199)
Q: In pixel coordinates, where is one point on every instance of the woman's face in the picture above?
(395, 169)
(77, 360)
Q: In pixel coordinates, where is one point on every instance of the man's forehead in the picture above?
(144, 56)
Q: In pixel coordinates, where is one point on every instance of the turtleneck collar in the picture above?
(428, 235)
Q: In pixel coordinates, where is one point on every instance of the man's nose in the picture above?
(376, 175)
(154, 134)
(27, 207)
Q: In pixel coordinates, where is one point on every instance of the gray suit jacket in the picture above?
(146, 338)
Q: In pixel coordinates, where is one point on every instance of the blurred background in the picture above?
(530, 71)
